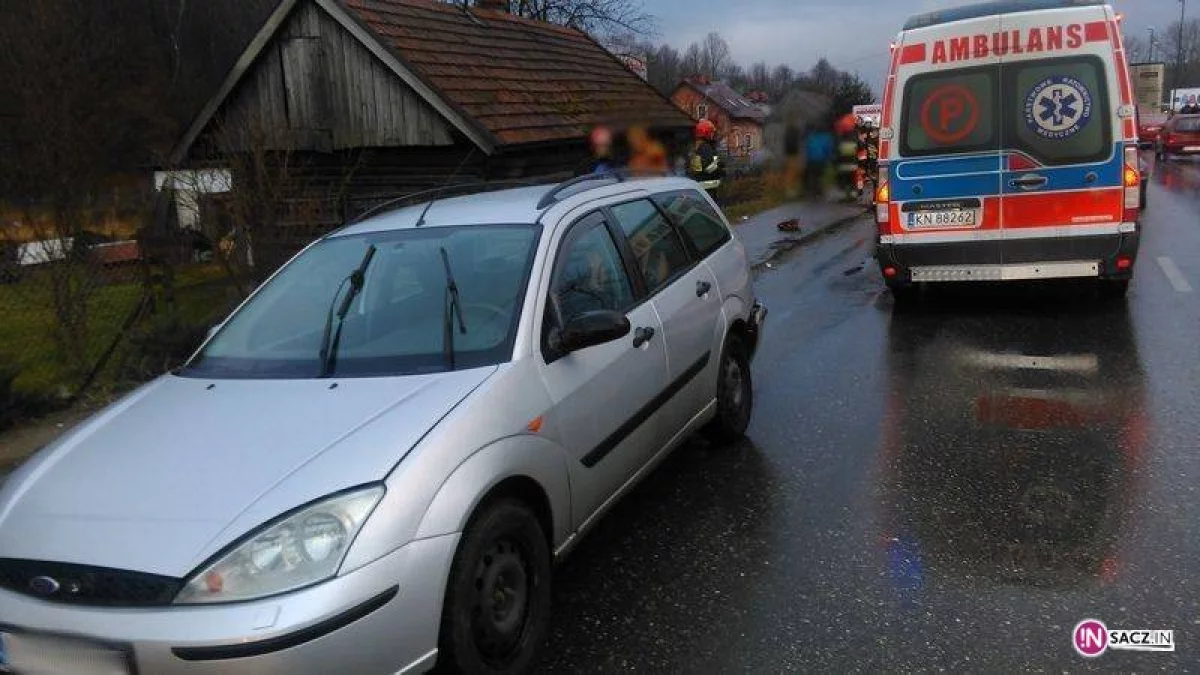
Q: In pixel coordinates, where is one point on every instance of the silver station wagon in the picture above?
(371, 466)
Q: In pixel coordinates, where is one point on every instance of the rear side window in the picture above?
(699, 222)
(656, 245)
(1059, 110)
(950, 112)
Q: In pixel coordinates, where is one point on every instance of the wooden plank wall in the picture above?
(317, 88)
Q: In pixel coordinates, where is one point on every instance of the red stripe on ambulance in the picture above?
(1036, 40)
(913, 53)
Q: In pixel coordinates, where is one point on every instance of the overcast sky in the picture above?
(852, 34)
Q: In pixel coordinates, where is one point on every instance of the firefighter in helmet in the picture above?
(704, 165)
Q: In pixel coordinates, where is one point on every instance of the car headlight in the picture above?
(300, 549)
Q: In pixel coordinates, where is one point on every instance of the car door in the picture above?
(603, 396)
(688, 300)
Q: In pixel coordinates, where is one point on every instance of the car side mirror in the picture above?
(593, 328)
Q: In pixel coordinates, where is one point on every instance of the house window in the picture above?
(701, 111)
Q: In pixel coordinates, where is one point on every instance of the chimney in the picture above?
(493, 5)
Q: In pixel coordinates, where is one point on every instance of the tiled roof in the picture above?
(522, 80)
(738, 106)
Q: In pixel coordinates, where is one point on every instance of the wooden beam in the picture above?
(244, 62)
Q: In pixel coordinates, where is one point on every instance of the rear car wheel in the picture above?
(735, 394)
(497, 609)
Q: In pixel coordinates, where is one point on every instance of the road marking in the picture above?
(1174, 275)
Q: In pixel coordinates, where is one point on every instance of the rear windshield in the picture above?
(1055, 110)
(1060, 110)
(1188, 124)
(950, 112)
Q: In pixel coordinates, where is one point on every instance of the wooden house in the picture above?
(350, 102)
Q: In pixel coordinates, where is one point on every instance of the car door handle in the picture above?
(1031, 182)
(642, 336)
(702, 288)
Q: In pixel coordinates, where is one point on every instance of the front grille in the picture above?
(85, 585)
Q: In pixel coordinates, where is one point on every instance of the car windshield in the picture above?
(310, 321)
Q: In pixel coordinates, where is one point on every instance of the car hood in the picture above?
(163, 479)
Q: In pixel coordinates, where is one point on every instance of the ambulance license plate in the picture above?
(30, 653)
(948, 218)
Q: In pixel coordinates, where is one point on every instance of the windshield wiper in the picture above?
(453, 309)
(331, 338)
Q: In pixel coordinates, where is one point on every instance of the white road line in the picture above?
(1174, 275)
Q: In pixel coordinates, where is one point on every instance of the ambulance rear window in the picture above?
(1058, 110)
(950, 112)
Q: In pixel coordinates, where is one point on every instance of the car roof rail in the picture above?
(606, 178)
(433, 194)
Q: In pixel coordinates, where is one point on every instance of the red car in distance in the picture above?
(1181, 136)
(1150, 125)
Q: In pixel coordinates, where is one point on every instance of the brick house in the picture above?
(739, 120)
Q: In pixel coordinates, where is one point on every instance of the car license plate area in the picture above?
(1191, 148)
(33, 654)
(942, 215)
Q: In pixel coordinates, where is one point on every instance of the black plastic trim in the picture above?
(276, 644)
(639, 418)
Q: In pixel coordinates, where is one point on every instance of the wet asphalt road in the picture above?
(952, 487)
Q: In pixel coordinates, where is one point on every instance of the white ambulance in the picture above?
(1009, 148)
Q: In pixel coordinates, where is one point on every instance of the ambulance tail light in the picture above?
(883, 200)
(1133, 184)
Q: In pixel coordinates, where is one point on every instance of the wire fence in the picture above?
(90, 315)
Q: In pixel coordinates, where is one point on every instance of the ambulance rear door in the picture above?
(946, 176)
(1061, 141)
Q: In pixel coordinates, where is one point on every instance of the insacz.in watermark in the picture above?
(1092, 638)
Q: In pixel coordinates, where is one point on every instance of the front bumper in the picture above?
(1038, 258)
(758, 319)
(381, 618)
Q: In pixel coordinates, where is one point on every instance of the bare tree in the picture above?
(596, 17)
(759, 77)
(782, 79)
(715, 56)
(666, 69)
(693, 60)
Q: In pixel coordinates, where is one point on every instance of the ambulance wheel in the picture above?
(903, 294)
(1114, 289)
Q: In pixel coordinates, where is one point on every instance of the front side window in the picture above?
(656, 245)
(698, 221)
(590, 274)
(396, 323)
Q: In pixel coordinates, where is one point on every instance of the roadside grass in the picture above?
(754, 194)
(28, 347)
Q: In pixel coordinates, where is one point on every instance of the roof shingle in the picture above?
(522, 80)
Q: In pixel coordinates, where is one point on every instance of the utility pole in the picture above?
(1179, 56)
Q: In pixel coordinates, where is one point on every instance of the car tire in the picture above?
(1114, 289)
(735, 394)
(903, 294)
(497, 610)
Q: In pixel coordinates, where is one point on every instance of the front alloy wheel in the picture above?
(497, 608)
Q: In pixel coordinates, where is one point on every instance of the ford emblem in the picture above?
(44, 585)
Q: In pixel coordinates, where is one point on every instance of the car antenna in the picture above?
(421, 219)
